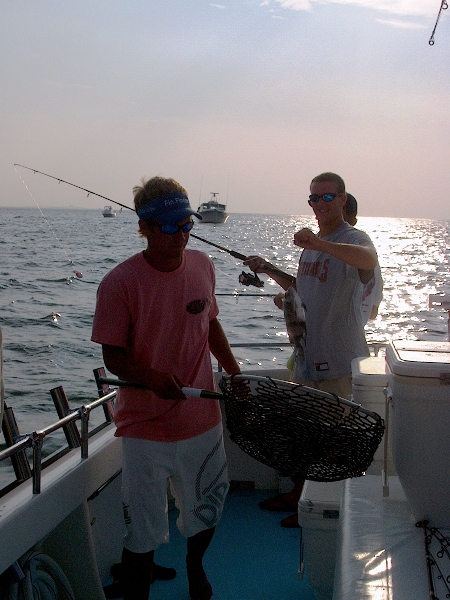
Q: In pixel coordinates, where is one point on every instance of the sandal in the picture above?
(158, 572)
(199, 586)
(290, 522)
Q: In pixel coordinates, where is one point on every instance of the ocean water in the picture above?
(41, 251)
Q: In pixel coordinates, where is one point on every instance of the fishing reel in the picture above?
(250, 279)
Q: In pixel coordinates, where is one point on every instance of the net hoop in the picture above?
(298, 430)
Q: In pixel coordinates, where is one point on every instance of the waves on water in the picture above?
(40, 259)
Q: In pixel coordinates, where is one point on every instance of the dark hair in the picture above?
(151, 190)
(351, 206)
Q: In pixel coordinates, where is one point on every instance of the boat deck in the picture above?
(251, 557)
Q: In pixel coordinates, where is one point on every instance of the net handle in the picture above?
(290, 385)
(187, 391)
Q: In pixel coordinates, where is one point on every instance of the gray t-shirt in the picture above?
(372, 295)
(331, 292)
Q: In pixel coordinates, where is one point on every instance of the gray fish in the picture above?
(294, 316)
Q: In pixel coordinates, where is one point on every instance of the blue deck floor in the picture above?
(251, 557)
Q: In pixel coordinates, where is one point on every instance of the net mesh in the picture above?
(300, 431)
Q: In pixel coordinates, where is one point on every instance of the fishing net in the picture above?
(298, 430)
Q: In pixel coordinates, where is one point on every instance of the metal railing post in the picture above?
(103, 389)
(21, 466)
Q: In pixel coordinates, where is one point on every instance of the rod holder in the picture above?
(21, 466)
(63, 409)
(103, 389)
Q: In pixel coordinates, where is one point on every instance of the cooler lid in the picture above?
(418, 359)
(369, 371)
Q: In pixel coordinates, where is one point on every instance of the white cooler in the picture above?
(369, 380)
(318, 517)
(419, 377)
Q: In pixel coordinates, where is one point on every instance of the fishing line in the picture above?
(78, 274)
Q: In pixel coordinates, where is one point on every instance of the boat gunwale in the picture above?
(34, 440)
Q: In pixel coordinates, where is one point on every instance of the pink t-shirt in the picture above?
(163, 319)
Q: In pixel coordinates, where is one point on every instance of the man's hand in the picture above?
(305, 238)
(278, 300)
(240, 388)
(165, 385)
(255, 263)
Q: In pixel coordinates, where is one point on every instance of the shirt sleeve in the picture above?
(112, 318)
(360, 238)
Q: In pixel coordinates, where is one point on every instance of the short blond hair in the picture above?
(152, 189)
(155, 188)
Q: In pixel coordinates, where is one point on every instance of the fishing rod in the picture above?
(59, 180)
(233, 253)
(187, 391)
(244, 278)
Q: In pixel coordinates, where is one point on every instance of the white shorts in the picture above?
(197, 471)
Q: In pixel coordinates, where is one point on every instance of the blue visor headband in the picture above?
(169, 209)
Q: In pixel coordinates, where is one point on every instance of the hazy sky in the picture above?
(247, 98)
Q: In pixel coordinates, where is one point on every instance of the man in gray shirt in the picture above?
(334, 266)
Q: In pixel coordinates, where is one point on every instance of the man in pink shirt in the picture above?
(156, 318)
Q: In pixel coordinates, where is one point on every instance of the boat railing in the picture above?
(375, 348)
(18, 444)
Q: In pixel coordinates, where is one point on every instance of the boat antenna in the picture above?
(228, 185)
(59, 180)
(200, 194)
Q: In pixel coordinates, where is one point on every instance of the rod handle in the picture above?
(194, 392)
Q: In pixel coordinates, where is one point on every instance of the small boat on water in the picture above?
(212, 211)
(108, 212)
(61, 518)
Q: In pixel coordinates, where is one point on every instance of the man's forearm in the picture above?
(361, 257)
(118, 361)
(220, 348)
(283, 279)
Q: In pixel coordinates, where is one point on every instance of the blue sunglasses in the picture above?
(325, 197)
(173, 229)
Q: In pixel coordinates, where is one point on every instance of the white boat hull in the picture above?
(108, 212)
(213, 216)
(212, 211)
(69, 508)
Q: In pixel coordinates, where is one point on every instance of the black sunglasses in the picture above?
(173, 229)
(325, 197)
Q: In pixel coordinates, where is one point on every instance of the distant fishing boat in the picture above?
(108, 212)
(212, 211)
